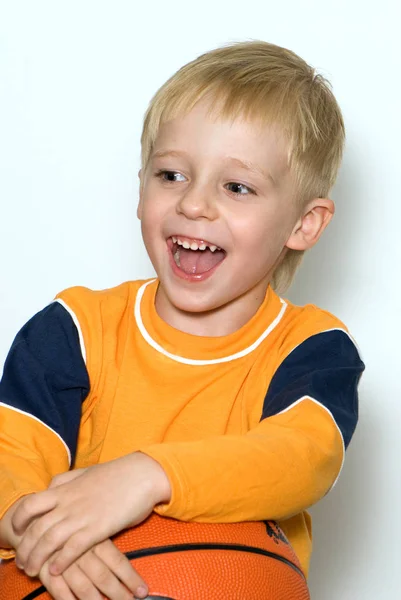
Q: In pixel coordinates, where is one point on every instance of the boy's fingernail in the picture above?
(19, 565)
(142, 592)
(54, 569)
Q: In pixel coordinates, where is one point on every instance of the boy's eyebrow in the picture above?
(251, 167)
(163, 153)
(240, 163)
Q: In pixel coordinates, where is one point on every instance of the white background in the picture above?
(75, 80)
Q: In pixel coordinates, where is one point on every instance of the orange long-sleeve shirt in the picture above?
(249, 426)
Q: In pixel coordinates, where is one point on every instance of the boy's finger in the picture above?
(42, 539)
(65, 478)
(105, 580)
(30, 508)
(56, 586)
(73, 547)
(80, 584)
(119, 564)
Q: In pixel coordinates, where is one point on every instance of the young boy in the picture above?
(201, 395)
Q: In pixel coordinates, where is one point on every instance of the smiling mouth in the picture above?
(195, 256)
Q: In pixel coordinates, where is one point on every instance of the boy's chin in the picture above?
(196, 306)
(191, 301)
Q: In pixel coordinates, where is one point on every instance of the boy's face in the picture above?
(216, 184)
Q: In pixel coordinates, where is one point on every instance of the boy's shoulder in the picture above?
(102, 319)
(120, 295)
(307, 322)
(311, 315)
(100, 312)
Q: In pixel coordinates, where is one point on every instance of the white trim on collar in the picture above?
(190, 361)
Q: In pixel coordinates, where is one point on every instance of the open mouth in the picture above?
(194, 256)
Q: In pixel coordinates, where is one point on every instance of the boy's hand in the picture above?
(101, 571)
(74, 516)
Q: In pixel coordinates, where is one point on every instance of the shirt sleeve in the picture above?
(288, 461)
(41, 392)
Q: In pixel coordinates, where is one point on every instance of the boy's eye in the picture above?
(239, 189)
(170, 176)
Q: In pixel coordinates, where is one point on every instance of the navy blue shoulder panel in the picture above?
(45, 374)
(325, 367)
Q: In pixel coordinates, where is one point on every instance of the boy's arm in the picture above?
(290, 459)
(41, 392)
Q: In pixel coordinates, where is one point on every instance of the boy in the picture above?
(201, 395)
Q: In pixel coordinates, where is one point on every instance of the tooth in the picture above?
(179, 241)
(213, 248)
(177, 258)
(202, 247)
(174, 240)
(194, 246)
(186, 245)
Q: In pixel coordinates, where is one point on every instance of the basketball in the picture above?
(195, 561)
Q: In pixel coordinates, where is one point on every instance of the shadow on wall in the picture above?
(330, 277)
(342, 539)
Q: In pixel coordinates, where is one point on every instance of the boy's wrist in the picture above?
(160, 488)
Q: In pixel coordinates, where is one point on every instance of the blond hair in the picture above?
(261, 81)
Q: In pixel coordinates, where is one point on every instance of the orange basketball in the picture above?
(196, 561)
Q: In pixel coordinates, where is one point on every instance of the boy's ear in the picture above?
(139, 207)
(315, 217)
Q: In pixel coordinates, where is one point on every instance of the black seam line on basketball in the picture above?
(35, 594)
(41, 590)
(185, 547)
(144, 552)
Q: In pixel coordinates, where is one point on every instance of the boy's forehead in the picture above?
(202, 131)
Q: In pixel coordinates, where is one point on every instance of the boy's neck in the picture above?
(221, 321)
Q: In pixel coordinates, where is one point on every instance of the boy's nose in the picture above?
(198, 204)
